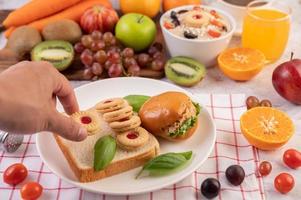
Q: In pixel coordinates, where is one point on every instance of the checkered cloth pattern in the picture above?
(230, 148)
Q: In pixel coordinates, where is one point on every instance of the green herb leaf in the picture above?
(185, 126)
(136, 101)
(166, 163)
(104, 152)
(197, 107)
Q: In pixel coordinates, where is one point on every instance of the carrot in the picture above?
(9, 31)
(35, 10)
(73, 13)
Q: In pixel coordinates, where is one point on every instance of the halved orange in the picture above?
(266, 128)
(240, 63)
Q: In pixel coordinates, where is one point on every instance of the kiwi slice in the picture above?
(184, 71)
(58, 52)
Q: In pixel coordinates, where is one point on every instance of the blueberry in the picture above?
(176, 22)
(173, 15)
(189, 34)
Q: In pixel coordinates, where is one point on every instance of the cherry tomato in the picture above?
(265, 168)
(31, 191)
(292, 158)
(284, 183)
(15, 174)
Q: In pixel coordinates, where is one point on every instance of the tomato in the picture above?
(284, 183)
(214, 34)
(265, 168)
(31, 191)
(15, 174)
(292, 158)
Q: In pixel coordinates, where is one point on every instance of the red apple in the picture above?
(99, 18)
(287, 80)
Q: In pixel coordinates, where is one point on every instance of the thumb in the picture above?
(67, 127)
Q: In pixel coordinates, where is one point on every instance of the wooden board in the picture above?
(75, 71)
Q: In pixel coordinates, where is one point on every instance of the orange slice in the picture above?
(241, 64)
(266, 128)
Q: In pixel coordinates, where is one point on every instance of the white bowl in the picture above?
(205, 51)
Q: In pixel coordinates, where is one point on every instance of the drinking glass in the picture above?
(266, 27)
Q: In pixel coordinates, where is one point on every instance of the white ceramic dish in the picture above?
(205, 51)
(201, 143)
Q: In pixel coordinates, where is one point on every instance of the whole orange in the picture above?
(147, 7)
(169, 4)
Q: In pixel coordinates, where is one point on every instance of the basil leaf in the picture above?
(166, 163)
(136, 101)
(104, 152)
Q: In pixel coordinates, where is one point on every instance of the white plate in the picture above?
(201, 143)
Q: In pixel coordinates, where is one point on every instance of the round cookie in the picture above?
(88, 119)
(110, 105)
(133, 139)
(123, 113)
(123, 126)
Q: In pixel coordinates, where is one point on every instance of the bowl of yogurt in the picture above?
(199, 32)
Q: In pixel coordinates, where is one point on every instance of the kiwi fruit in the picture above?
(8, 55)
(58, 52)
(23, 39)
(184, 71)
(64, 29)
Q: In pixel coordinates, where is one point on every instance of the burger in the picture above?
(170, 115)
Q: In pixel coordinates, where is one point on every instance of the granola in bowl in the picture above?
(197, 23)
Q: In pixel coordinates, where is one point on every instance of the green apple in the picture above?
(136, 31)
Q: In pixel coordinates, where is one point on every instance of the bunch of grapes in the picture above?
(102, 56)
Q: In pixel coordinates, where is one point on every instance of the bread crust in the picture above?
(89, 175)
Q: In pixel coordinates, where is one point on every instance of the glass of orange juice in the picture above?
(266, 27)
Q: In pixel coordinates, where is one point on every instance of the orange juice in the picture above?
(266, 30)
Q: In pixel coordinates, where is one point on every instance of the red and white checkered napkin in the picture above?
(230, 148)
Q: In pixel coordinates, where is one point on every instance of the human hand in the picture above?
(28, 92)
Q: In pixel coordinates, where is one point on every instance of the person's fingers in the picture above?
(66, 127)
(65, 94)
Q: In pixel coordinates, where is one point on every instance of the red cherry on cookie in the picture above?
(132, 135)
(86, 120)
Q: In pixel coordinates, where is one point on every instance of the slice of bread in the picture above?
(80, 155)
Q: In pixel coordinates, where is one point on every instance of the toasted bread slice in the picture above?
(80, 155)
